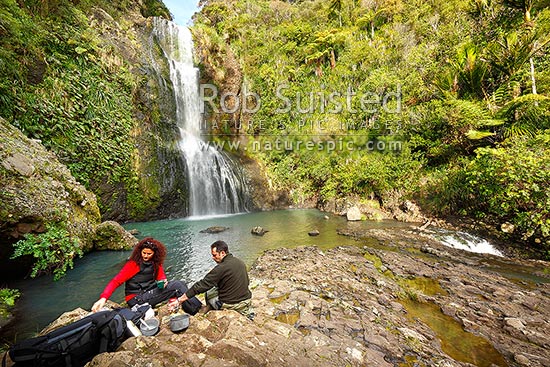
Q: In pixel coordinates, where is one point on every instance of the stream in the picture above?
(189, 259)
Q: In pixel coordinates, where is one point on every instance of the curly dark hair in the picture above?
(156, 246)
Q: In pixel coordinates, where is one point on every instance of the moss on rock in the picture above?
(110, 235)
(37, 190)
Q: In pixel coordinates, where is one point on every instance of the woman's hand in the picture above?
(99, 304)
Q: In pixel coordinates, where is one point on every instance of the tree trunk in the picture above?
(533, 81)
(332, 59)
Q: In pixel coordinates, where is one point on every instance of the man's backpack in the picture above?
(72, 345)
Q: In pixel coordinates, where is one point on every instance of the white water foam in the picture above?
(216, 184)
(468, 242)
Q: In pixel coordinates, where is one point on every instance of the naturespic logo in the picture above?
(311, 125)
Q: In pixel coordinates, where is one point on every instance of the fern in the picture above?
(525, 116)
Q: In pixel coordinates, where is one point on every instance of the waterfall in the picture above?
(216, 184)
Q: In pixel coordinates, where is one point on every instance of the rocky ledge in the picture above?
(400, 301)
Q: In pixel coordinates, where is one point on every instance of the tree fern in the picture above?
(525, 115)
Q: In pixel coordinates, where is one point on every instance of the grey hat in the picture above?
(179, 323)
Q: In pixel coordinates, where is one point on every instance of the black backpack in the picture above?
(72, 345)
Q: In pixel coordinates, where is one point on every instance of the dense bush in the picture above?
(63, 83)
(462, 69)
(506, 184)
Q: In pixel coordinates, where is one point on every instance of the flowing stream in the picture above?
(216, 184)
(189, 258)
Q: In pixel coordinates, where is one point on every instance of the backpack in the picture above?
(72, 345)
(135, 314)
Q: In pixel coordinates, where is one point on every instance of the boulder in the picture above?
(313, 233)
(353, 214)
(258, 231)
(110, 235)
(214, 230)
(37, 191)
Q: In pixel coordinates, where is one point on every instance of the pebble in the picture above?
(515, 323)
(521, 359)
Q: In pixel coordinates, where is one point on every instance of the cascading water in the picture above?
(216, 184)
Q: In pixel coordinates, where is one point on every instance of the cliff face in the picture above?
(36, 190)
(156, 187)
(87, 126)
(85, 86)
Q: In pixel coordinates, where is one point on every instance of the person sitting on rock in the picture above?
(144, 277)
(226, 285)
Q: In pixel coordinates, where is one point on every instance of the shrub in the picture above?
(53, 251)
(8, 297)
(508, 184)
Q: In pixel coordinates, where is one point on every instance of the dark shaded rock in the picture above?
(215, 229)
(258, 231)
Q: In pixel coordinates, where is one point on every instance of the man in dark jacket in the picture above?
(226, 285)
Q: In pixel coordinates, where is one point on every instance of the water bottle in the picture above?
(173, 304)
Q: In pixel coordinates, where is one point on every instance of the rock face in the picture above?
(36, 190)
(157, 164)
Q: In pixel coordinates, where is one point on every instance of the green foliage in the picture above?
(462, 70)
(454, 100)
(526, 115)
(155, 8)
(87, 119)
(53, 251)
(8, 297)
(62, 84)
(507, 184)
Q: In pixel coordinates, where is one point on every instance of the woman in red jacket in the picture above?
(144, 277)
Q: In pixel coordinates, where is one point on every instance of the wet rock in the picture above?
(258, 231)
(214, 230)
(412, 334)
